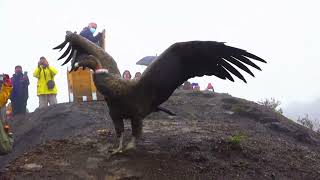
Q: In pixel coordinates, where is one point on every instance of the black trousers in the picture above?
(19, 107)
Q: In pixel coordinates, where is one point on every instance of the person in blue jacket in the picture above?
(20, 93)
(88, 32)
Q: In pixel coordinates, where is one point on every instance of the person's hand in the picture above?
(103, 33)
(7, 80)
(45, 63)
(99, 35)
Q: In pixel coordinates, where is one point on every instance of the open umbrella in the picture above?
(146, 60)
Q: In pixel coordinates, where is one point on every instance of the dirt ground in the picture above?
(213, 136)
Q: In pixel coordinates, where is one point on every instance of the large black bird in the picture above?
(135, 99)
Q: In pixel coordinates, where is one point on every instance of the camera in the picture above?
(1, 77)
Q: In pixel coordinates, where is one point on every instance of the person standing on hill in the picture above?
(126, 75)
(210, 87)
(5, 93)
(137, 75)
(6, 138)
(88, 32)
(46, 87)
(20, 92)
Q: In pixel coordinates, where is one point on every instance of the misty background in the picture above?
(284, 33)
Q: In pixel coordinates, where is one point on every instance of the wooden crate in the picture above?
(81, 85)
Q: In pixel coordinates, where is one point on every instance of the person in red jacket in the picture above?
(210, 87)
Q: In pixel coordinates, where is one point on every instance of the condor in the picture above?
(136, 99)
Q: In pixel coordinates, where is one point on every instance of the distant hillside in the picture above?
(297, 109)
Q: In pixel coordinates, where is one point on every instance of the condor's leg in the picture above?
(119, 128)
(136, 125)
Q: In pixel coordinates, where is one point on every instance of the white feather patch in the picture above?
(101, 71)
(76, 64)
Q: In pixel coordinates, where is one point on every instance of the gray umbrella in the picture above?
(146, 60)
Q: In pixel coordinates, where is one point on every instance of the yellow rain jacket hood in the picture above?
(44, 75)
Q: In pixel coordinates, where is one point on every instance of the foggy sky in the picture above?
(284, 33)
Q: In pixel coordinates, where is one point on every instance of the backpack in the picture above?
(5, 142)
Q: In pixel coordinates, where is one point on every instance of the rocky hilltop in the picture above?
(213, 136)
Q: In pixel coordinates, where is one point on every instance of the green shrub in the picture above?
(271, 103)
(309, 123)
(236, 139)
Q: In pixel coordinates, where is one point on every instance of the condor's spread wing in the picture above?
(79, 48)
(185, 60)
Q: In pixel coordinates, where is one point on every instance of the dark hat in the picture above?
(18, 66)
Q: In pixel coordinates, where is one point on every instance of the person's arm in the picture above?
(87, 34)
(36, 73)
(26, 79)
(94, 39)
(53, 71)
(5, 91)
(97, 37)
(11, 94)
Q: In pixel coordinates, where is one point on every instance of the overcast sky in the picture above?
(285, 33)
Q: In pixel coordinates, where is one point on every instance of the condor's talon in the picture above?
(117, 151)
(131, 145)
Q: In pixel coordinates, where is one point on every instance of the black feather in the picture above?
(65, 53)
(238, 64)
(246, 61)
(233, 70)
(254, 57)
(225, 73)
(69, 57)
(61, 46)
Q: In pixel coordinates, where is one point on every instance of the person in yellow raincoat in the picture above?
(6, 140)
(45, 73)
(5, 92)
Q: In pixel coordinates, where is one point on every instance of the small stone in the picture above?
(229, 112)
(32, 167)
